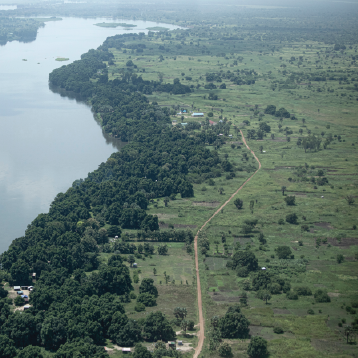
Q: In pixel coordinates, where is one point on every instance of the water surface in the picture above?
(46, 140)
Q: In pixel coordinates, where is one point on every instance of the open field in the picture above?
(288, 76)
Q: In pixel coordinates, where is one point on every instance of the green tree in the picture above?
(163, 249)
(283, 188)
(180, 312)
(321, 296)
(264, 295)
(141, 352)
(131, 260)
(292, 218)
(238, 203)
(147, 299)
(348, 331)
(245, 259)
(283, 252)
(154, 271)
(19, 301)
(234, 324)
(184, 325)
(147, 285)
(225, 350)
(290, 200)
(7, 349)
(80, 348)
(156, 327)
(30, 352)
(53, 332)
(20, 272)
(257, 348)
(340, 258)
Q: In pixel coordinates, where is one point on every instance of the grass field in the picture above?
(288, 77)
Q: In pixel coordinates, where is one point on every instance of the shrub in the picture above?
(292, 295)
(278, 330)
(310, 311)
(283, 252)
(290, 200)
(257, 347)
(292, 218)
(19, 301)
(132, 296)
(321, 296)
(191, 325)
(242, 272)
(355, 304)
(340, 258)
(303, 291)
(225, 350)
(281, 222)
(340, 324)
(275, 289)
(139, 307)
(147, 299)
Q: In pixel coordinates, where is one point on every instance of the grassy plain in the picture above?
(285, 75)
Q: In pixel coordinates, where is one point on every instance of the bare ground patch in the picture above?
(333, 294)
(345, 242)
(162, 216)
(324, 225)
(217, 297)
(212, 204)
(281, 311)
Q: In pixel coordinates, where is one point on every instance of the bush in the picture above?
(257, 347)
(292, 219)
(19, 301)
(292, 295)
(139, 307)
(132, 296)
(303, 291)
(281, 222)
(147, 299)
(283, 252)
(321, 296)
(355, 304)
(290, 200)
(310, 311)
(275, 289)
(340, 258)
(191, 325)
(242, 272)
(225, 350)
(278, 330)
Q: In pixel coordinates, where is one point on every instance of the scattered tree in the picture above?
(257, 347)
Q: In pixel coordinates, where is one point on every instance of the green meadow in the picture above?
(324, 182)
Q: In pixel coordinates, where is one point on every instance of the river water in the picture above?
(46, 140)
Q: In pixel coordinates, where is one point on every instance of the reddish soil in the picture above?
(201, 332)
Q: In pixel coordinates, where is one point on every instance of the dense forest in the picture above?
(23, 30)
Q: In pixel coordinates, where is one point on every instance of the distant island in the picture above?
(62, 59)
(46, 19)
(113, 24)
(158, 28)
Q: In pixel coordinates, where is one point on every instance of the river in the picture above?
(46, 140)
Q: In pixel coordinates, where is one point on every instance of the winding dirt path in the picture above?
(201, 333)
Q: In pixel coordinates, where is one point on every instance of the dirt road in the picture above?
(201, 333)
